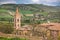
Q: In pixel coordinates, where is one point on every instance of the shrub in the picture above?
(18, 38)
(2, 38)
(6, 28)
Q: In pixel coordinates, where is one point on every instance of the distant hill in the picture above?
(8, 9)
(31, 7)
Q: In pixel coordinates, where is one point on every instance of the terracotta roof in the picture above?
(22, 29)
(45, 25)
(26, 27)
(52, 26)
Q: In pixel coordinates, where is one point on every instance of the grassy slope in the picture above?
(30, 9)
(2, 38)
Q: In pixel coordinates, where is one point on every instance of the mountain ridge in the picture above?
(28, 8)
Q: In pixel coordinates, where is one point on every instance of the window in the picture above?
(18, 20)
(18, 24)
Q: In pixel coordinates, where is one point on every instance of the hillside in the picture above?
(30, 7)
(7, 10)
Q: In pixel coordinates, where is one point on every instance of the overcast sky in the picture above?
(46, 2)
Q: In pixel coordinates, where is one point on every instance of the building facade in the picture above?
(17, 20)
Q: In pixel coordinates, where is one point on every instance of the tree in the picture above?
(6, 28)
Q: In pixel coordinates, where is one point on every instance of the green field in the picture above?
(2, 38)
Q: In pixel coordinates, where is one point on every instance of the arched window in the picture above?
(18, 20)
(18, 24)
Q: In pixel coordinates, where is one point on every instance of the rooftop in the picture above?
(51, 26)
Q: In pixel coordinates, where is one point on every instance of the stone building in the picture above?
(22, 30)
(54, 29)
(17, 20)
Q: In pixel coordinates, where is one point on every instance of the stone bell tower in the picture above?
(17, 20)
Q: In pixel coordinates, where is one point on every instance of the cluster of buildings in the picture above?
(54, 28)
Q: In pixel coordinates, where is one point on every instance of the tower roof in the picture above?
(17, 12)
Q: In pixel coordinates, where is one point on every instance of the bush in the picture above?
(2, 38)
(59, 38)
(6, 28)
(18, 39)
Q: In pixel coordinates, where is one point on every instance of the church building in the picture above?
(22, 30)
(17, 20)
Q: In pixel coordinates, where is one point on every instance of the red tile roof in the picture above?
(51, 26)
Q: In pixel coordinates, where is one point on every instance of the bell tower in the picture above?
(17, 20)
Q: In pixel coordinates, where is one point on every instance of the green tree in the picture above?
(6, 28)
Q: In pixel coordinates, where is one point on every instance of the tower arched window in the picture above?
(18, 20)
(18, 25)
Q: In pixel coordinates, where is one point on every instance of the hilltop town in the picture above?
(33, 25)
